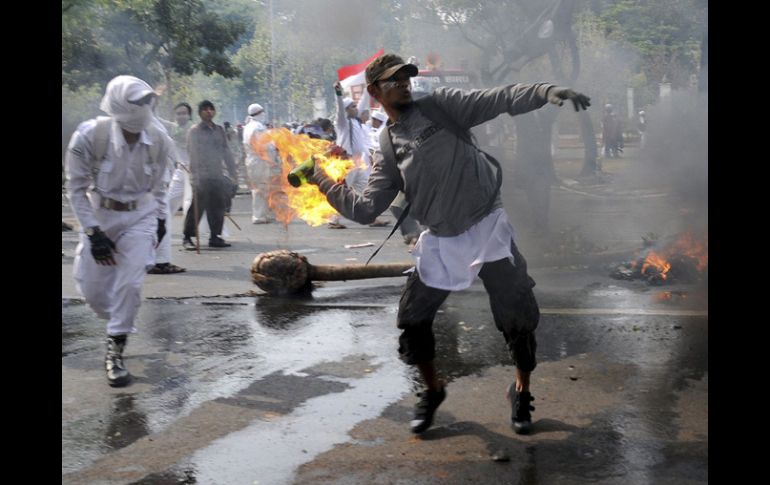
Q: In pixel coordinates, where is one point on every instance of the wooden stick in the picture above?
(342, 272)
(284, 272)
(233, 221)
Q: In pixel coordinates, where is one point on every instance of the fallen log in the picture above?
(284, 272)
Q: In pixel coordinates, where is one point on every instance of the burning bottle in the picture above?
(301, 173)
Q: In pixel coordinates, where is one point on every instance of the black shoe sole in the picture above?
(120, 382)
(521, 428)
(425, 425)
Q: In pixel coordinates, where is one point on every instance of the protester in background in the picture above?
(612, 136)
(179, 180)
(257, 169)
(352, 137)
(209, 155)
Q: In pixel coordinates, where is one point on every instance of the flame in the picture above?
(658, 262)
(688, 245)
(305, 201)
(685, 245)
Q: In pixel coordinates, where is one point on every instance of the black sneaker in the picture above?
(188, 244)
(521, 419)
(218, 242)
(425, 409)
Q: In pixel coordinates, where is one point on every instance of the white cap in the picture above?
(379, 115)
(255, 108)
(346, 102)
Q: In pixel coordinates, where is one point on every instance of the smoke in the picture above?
(675, 155)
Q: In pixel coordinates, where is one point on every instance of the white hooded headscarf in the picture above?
(257, 113)
(119, 102)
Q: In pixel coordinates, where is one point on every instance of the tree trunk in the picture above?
(534, 171)
(589, 142)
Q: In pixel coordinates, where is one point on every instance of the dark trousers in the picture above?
(209, 196)
(513, 303)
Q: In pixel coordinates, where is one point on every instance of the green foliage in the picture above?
(665, 33)
(77, 106)
(147, 38)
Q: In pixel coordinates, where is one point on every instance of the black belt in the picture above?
(117, 205)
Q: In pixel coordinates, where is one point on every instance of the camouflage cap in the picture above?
(387, 65)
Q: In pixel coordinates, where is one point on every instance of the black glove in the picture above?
(557, 95)
(161, 231)
(101, 248)
(233, 189)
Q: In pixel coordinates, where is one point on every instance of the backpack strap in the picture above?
(102, 141)
(386, 147)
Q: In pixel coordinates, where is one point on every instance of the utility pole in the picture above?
(273, 111)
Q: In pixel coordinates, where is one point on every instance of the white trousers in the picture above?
(114, 292)
(174, 198)
(259, 174)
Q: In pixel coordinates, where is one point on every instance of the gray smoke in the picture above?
(675, 156)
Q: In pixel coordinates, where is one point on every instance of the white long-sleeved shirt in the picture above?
(125, 174)
(251, 127)
(360, 138)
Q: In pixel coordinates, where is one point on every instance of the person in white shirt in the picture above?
(117, 177)
(354, 139)
(177, 130)
(378, 123)
(257, 169)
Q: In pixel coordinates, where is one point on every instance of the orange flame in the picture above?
(658, 262)
(685, 245)
(305, 201)
(698, 250)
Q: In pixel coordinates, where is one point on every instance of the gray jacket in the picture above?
(448, 182)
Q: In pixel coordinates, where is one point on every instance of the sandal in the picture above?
(166, 268)
(379, 223)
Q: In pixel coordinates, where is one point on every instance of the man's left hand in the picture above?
(557, 95)
(161, 231)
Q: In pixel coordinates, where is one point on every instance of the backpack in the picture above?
(102, 140)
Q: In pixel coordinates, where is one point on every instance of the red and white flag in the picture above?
(355, 74)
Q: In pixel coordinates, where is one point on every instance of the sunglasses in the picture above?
(395, 80)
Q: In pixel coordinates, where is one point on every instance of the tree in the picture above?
(309, 41)
(665, 33)
(511, 34)
(151, 39)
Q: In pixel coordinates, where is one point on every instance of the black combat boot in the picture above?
(521, 419)
(426, 408)
(117, 375)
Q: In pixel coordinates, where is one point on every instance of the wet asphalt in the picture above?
(235, 387)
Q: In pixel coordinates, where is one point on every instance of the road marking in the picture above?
(624, 311)
(612, 196)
